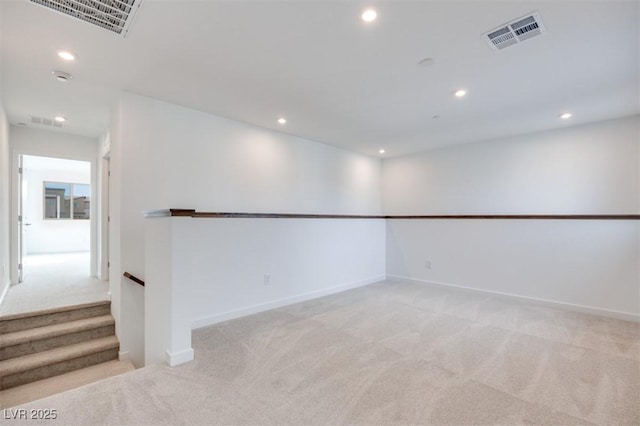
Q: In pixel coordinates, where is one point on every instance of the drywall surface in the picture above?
(5, 166)
(163, 155)
(591, 169)
(585, 169)
(592, 264)
(55, 144)
(264, 261)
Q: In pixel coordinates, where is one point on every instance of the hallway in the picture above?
(52, 281)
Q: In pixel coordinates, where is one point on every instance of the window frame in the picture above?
(71, 199)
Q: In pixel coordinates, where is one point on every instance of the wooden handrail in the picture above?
(134, 278)
(526, 216)
(195, 214)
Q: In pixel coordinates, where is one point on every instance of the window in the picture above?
(66, 200)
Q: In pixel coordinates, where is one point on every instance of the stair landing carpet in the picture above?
(388, 353)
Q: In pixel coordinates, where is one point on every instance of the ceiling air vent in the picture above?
(515, 32)
(112, 15)
(45, 122)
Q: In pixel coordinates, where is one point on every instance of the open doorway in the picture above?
(56, 200)
(54, 236)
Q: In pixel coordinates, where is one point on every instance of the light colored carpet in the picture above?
(388, 353)
(53, 281)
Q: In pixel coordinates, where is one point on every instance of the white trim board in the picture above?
(180, 357)
(626, 316)
(250, 310)
(4, 292)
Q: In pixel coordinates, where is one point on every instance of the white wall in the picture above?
(592, 264)
(302, 257)
(44, 143)
(53, 236)
(584, 169)
(590, 169)
(4, 204)
(163, 155)
(203, 271)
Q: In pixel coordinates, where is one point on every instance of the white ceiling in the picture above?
(336, 79)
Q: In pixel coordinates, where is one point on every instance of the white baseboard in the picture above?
(124, 356)
(181, 357)
(250, 310)
(626, 316)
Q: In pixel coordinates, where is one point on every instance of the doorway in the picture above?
(54, 236)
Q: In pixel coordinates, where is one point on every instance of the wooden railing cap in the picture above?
(237, 215)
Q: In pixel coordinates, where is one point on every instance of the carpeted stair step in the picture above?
(41, 365)
(25, 342)
(25, 321)
(53, 385)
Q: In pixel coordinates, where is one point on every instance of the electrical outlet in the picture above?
(267, 279)
(427, 264)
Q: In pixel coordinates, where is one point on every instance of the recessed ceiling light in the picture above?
(565, 115)
(59, 119)
(381, 151)
(61, 76)
(66, 55)
(282, 120)
(369, 15)
(460, 93)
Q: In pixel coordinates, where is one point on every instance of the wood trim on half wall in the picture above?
(217, 215)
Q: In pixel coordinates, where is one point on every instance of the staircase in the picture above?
(46, 352)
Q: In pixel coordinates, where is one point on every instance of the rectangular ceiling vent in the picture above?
(515, 32)
(49, 122)
(112, 15)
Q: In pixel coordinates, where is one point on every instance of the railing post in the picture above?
(167, 327)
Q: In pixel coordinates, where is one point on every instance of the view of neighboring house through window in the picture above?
(66, 200)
